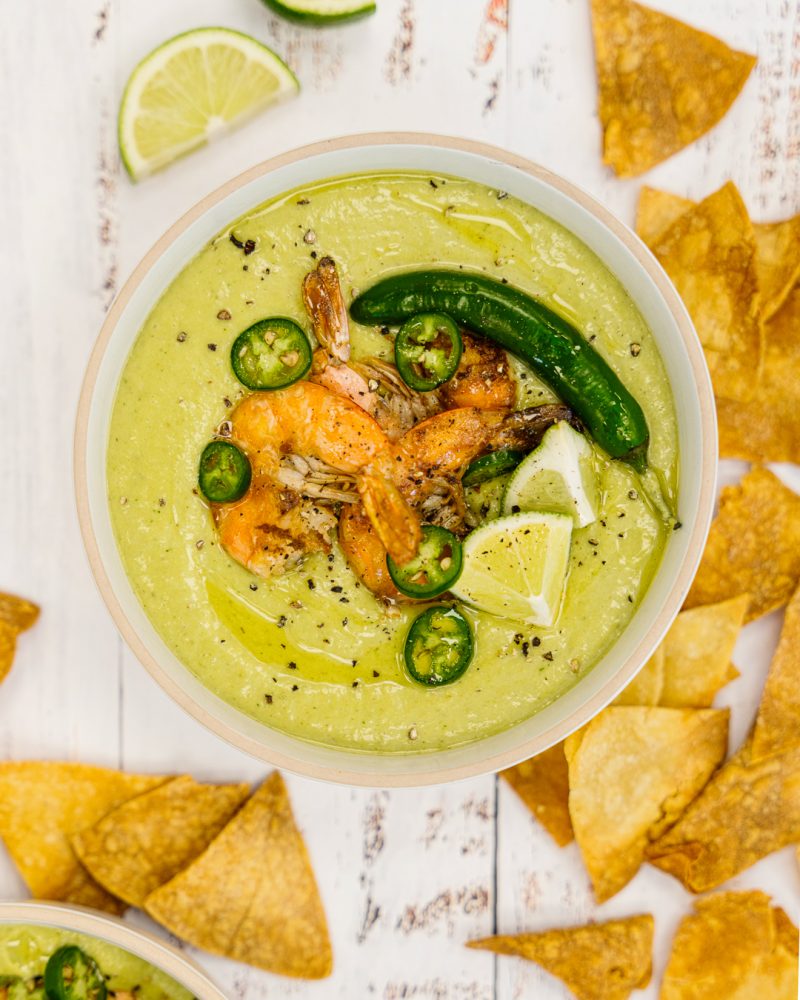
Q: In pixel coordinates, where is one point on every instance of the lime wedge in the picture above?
(321, 12)
(516, 566)
(192, 88)
(558, 476)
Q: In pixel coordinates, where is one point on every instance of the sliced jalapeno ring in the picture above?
(427, 350)
(434, 569)
(224, 473)
(439, 646)
(71, 974)
(487, 467)
(271, 354)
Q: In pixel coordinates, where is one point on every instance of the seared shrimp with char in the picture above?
(273, 526)
(429, 462)
(483, 377)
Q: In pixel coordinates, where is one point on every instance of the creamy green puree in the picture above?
(312, 652)
(25, 949)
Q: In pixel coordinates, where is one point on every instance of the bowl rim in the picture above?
(141, 943)
(340, 773)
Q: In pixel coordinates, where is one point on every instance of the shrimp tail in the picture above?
(324, 302)
(395, 523)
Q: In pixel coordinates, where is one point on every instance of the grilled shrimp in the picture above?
(430, 460)
(274, 525)
(483, 377)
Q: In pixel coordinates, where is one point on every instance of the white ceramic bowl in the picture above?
(152, 949)
(647, 285)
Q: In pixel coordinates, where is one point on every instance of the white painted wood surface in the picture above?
(406, 876)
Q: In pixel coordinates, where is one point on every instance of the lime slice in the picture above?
(192, 88)
(558, 476)
(321, 11)
(516, 566)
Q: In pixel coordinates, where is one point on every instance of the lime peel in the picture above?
(321, 12)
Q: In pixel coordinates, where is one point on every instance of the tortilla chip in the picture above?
(698, 650)
(734, 946)
(786, 934)
(656, 211)
(778, 260)
(607, 960)
(17, 612)
(777, 244)
(753, 547)
(748, 810)
(632, 772)
(662, 84)
(777, 727)
(8, 645)
(251, 896)
(42, 805)
(148, 840)
(543, 785)
(767, 429)
(646, 686)
(709, 253)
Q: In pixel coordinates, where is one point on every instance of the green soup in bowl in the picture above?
(306, 668)
(49, 950)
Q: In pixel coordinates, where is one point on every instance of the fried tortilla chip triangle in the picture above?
(777, 261)
(656, 211)
(778, 721)
(698, 650)
(632, 772)
(17, 612)
(8, 645)
(16, 615)
(43, 805)
(148, 840)
(543, 785)
(734, 946)
(252, 896)
(607, 960)
(749, 809)
(753, 546)
(662, 84)
(767, 429)
(647, 685)
(777, 244)
(709, 253)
